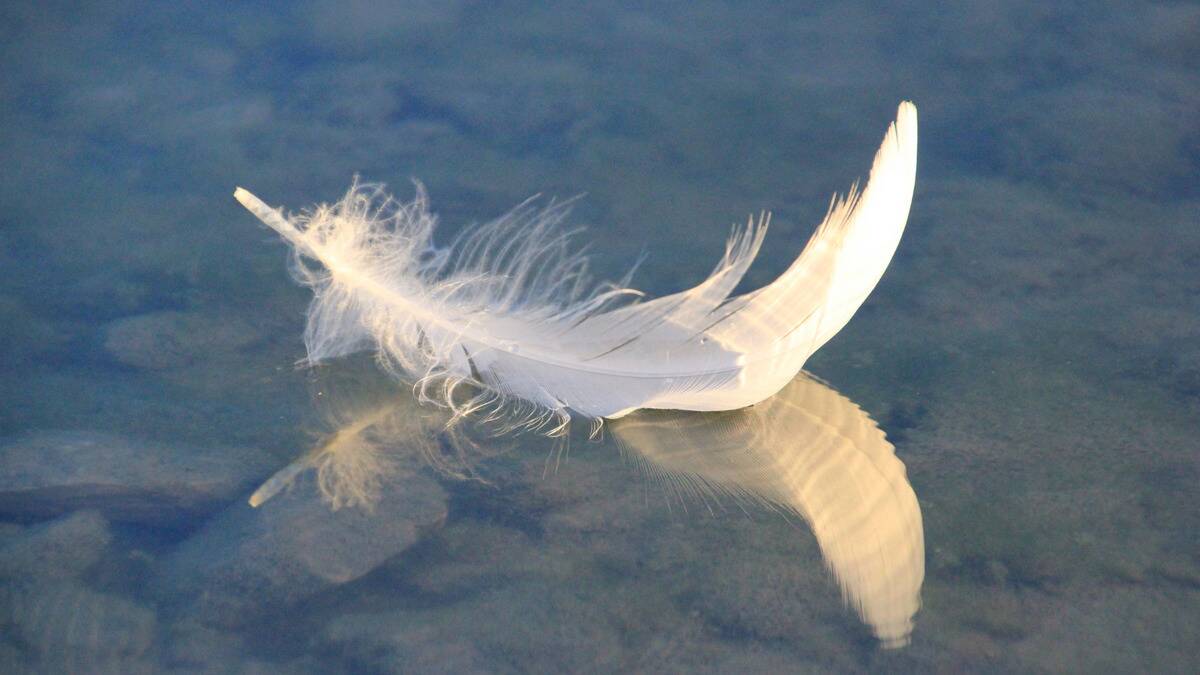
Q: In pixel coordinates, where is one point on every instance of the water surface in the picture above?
(1032, 354)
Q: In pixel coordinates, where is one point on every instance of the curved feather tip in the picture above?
(509, 308)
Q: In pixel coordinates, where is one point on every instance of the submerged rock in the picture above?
(559, 628)
(64, 548)
(398, 643)
(12, 660)
(578, 611)
(64, 627)
(249, 561)
(165, 340)
(26, 335)
(47, 473)
(191, 646)
(764, 581)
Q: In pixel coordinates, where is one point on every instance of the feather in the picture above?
(509, 309)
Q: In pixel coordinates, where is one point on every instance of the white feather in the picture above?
(509, 308)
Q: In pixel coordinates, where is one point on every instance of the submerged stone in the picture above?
(48, 473)
(165, 340)
(63, 548)
(250, 561)
(64, 627)
(398, 643)
(557, 628)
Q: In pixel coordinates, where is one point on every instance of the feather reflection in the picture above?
(379, 433)
(808, 451)
(814, 452)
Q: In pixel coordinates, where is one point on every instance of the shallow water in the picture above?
(1033, 352)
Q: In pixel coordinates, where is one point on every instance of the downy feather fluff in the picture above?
(509, 308)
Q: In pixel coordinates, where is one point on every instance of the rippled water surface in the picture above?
(1032, 353)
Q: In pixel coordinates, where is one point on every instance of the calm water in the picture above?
(1033, 352)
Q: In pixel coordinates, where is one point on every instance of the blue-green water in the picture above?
(1033, 352)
